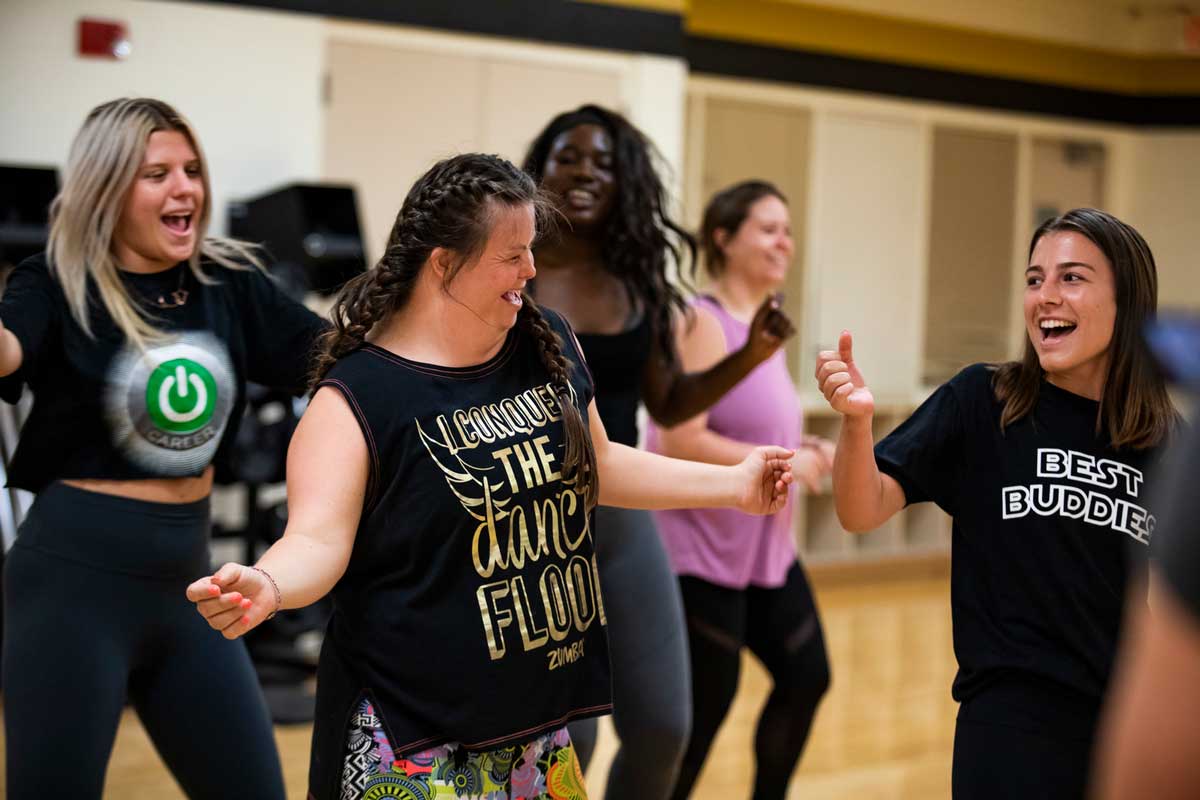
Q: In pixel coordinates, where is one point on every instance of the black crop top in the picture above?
(470, 610)
(616, 361)
(103, 410)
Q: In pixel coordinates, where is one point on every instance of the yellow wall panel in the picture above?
(812, 27)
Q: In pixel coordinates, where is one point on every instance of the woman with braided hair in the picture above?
(607, 272)
(441, 484)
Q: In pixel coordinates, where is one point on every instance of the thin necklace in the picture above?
(177, 297)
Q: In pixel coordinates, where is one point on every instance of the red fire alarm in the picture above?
(1191, 34)
(100, 38)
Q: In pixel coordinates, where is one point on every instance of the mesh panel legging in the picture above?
(96, 615)
(648, 648)
(782, 629)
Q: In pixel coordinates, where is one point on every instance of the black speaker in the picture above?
(307, 228)
(25, 196)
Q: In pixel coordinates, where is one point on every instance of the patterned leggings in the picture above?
(543, 769)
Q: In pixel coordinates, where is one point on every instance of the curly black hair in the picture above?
(639, 236)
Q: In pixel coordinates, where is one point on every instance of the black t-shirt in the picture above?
(1177, 542)
(101, 409)
(470, 610)
(616, 362)
(1049, 522)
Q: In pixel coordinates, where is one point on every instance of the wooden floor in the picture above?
(884, 732)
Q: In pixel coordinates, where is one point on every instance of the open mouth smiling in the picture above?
(180, 224)
(1054, 329)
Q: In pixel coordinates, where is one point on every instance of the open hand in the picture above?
(769, 329)
(763, 478)
(234, 600)
(841, 382)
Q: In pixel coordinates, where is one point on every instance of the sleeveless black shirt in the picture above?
(616, 361)
(470, 610)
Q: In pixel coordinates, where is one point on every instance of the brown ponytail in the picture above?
(579, 461)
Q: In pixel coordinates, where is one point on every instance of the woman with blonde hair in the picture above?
(136, 333)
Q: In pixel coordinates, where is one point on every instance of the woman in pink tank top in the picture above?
(739, 577)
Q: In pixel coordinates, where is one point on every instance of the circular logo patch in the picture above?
(181, 395)
(169, 405)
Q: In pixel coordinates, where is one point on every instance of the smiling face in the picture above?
(580, 172)
(158, 223)
(761, 249)
(1071, 311)
(490, 286)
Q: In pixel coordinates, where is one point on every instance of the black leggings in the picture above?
(781, 628)
(648, 648)
(997, 762)
(96, 615)
(1025, 738)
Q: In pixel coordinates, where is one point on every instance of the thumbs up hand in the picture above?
(841, 382)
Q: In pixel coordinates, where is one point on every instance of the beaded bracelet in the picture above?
(275, 586)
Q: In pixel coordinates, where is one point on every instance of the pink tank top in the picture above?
(724, 546)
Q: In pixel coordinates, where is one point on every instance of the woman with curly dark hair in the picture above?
(608, 272)
(441, 485)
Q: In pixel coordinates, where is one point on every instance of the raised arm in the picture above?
(326, 481)
(701, 345)
(864, 497)
(30, 307)
(632, 478)
(672, 395)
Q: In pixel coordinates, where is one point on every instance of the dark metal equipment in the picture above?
(310, 231)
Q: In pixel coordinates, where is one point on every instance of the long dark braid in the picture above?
(579, 461)
(450, 207)
(640, 241)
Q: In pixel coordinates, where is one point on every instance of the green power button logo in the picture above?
(180, 396)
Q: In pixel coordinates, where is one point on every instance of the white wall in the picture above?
(866, 246)
(383, 128)
(249, 81)
(655, 90)
(1165, 207)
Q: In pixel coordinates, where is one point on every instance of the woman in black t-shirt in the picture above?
(441, 484)
(136, 334)
(1041, 463)
(608, 272)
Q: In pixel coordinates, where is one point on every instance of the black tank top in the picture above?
(616, 361)
(470, 610)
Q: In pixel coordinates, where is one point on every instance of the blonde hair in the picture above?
(103, 164)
